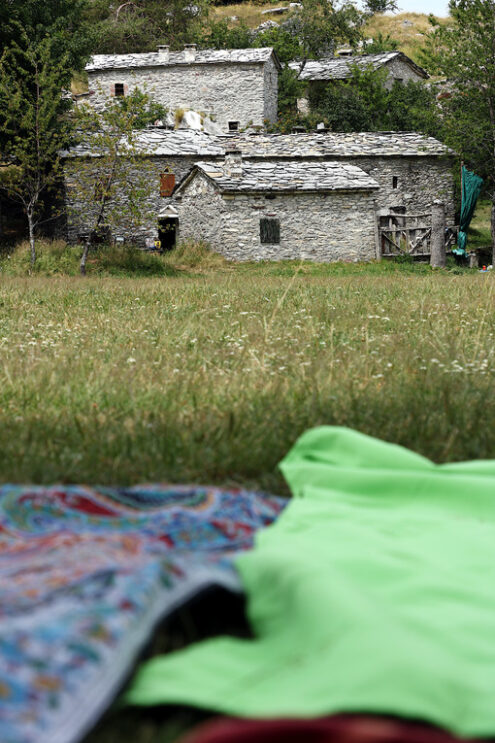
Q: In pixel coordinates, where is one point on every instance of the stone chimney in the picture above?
(190, 52)
(163, 52)
(233, 163)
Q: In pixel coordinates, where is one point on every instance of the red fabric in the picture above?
(337, 729)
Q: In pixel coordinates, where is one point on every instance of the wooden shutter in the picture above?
(269, 231)
(167, 184)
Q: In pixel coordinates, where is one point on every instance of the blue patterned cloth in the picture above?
(85, 574)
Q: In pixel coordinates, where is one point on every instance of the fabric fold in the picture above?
(374, 592)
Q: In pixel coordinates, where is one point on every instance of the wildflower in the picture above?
(131, 360)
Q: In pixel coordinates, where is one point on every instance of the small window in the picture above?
(399, 79)
(167, 184)
(233, 126)
(119, 90)
(395, 181)
(269, 231)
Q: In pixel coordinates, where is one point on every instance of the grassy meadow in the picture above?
(209, 371)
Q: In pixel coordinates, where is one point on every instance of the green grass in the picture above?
(208, 371)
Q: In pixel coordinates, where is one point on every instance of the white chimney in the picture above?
(163, 52)
(190, 52)
(233, 163)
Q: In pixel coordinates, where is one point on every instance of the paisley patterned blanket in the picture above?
(85, 574)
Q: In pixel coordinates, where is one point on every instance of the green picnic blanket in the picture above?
(373, 592)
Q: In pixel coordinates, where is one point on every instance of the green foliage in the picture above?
(61, 21)
(463, 52)
(290, 88)
(363, 103)
(140, 25)
(219, 35)
(380, 44)
(110, 189)
(34, 124)
(137, 108)
(286, 44)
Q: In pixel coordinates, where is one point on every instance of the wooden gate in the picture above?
(404, 234)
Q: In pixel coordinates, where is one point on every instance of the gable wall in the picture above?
(227, 92)
(398, 69)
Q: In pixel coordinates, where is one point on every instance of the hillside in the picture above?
(407, 28)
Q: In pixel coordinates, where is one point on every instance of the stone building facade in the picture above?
(412, 170)
(234, 87)
(409, 171)
(321, 211)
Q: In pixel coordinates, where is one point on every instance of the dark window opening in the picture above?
(269, 231)
(119, 89)
(233, 126)
(399, 79)
(395, 181)
(167, 184)
(167, 233)
(270, 196)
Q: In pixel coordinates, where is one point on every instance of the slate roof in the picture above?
(312, 146)
(287, 176)
(339, 68)
(334, 144)
(203, 56)
(161, 142)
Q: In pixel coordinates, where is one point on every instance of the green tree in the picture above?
(380, 44)
(110, 187)
(34, 125)
(140, 25)
(464, 52)
(364, 103)
(59, 20)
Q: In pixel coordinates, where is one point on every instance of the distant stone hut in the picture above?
(321, 211)
(408, 172)
(317, 73)
(235, 87)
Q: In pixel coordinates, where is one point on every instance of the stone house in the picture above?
(235, 87)
(317, 73)
(409, 171)
(320, 211)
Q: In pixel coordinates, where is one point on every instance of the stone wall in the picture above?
(420, 180)
(80, 213)
(313, 226)
(271, 90)
(246, 93)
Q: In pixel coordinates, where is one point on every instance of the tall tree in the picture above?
(34, 124)
(464, 52)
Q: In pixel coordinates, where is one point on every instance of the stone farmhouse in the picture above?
(323, 192)
(235, 87)
(317, 210)
(399, 68)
